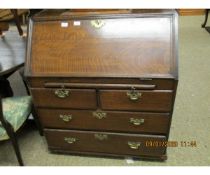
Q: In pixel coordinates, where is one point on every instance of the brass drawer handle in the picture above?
(62, 93)
(101, 136)
(134, 145)
(65, 118)
(99, 114)
(70, 140)
(134, 95)
(136, 121)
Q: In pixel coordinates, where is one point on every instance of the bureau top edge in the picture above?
(161, 77)
(51, 15)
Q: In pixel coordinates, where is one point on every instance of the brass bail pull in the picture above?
(62, 93)
(65, 118)
(136, 121)
(101, 136)
(70, 140)
(134, 145)
(133, 94)
(99, 114)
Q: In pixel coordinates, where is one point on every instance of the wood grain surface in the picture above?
(114, 143)
(129, 46)
(148, 101)
(104, 59)
(154, 123)
(78, 98)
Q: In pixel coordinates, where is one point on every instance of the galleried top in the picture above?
(103, 43)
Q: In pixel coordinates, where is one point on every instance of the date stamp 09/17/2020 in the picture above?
(183, 144)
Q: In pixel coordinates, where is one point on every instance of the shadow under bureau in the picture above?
(104, 81)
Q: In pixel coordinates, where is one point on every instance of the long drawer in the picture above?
(105, 120)
(137, 100)
(103, 142)
(64, 98)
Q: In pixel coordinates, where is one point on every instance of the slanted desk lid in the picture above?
(124, 44)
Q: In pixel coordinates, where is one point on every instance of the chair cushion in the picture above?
(15, 111)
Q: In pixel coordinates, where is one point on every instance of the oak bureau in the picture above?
(104, 81)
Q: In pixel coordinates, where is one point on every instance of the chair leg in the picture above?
(206, 18)
(38, 124)
(15, 145)
(17, 21)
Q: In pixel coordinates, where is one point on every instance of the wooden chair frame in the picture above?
(12, 135)
(10, 130)
(206, 18)
(17, 22)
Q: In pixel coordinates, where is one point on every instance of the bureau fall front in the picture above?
(104, 81)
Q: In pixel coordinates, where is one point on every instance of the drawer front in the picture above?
(104, 120)
(157, 100)
(102, 142)
(64, 98)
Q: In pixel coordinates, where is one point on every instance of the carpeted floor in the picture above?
(191, 119)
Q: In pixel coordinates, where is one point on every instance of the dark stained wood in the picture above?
(17, 21)
(160, 84)
(11, 133)
(154, 123)
(3, 27)
(101, 86)
(149, 101)
(206, 18)
(132, 50)
(61, 14)
(10, 130)
(7, 15)
(54, 14)
(5, 88)
(108, 155)
(205, 21)
(78, 98)
(151, 47)
(173, 101)
(88, 142)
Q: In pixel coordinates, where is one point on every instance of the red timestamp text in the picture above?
(158, 143)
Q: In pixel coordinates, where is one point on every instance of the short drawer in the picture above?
(137, 100)
(103, 142)
(64, 98)
(156, 123)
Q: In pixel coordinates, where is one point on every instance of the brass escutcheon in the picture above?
(62, 93)
(99, 114)
(97, 23)
(101, 136)
(133, 95)
(65, 118)
(134, 145)
(136, 121)
(70, 140)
